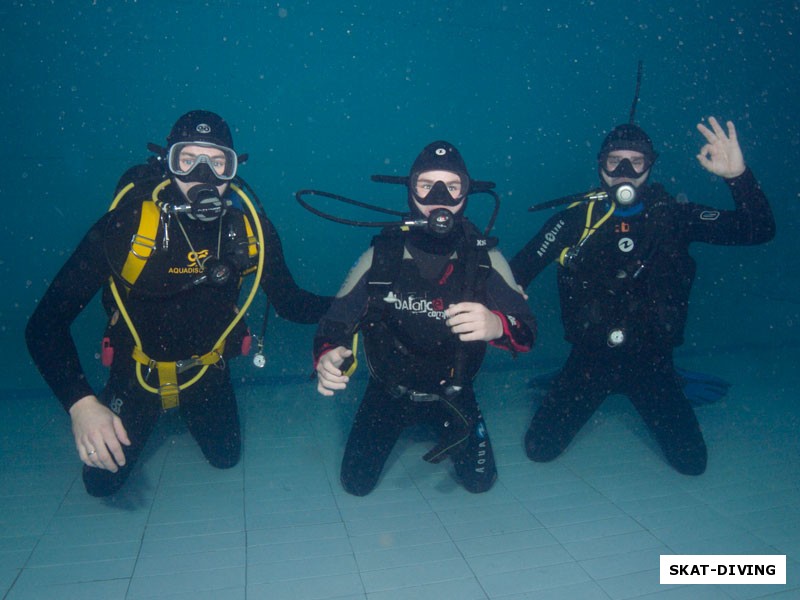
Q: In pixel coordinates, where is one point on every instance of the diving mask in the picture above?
(438, 193)
(184, 157)
(632, 168)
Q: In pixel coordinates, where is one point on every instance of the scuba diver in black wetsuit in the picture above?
(171, 256)
(426, 300)
(624, 278)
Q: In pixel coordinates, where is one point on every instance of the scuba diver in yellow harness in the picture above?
(625, 275)
(172, 257)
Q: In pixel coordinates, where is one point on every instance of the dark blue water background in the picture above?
(324, 94)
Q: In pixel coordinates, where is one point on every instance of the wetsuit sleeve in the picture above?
(290, 300)
(559, 232)
(752, 221)
(340, 322)
(504, 299)
(48, 334)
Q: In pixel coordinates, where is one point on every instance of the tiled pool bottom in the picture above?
(590, 525)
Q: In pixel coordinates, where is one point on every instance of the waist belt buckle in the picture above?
(186, 364)
(423, 397)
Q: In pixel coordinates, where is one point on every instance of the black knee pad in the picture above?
(223, 455)
(692, 465)
(224, 461)
(539, 450)
(356, 487)
(101, 483)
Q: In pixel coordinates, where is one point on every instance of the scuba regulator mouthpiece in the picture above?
(616, 337)
(624, 194)
(204, 204)
(439, 223)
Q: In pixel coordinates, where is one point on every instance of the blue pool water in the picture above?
(325, 94)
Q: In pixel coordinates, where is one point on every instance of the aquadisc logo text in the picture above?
(195, 263)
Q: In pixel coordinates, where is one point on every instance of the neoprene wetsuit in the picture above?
(624, 297)
(177, 316)
(411, 353)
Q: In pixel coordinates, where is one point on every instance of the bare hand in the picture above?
(722, 155)
(329, 375)
(99, 434)
(473, 322)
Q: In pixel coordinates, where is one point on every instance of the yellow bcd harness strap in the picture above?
(143, 243)
(588, 228)
(168, 387)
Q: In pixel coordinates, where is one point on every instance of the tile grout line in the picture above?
(321, 455)
(39, 538)
(147, 520)
(450, 537)
(244, 509)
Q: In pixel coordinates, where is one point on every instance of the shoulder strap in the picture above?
(244, 230)
(570, 252)
(474, 251)
(477, 264)
(387, 256)
(387, 253)
(143, 242)
(389, 248)
(252, 240)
